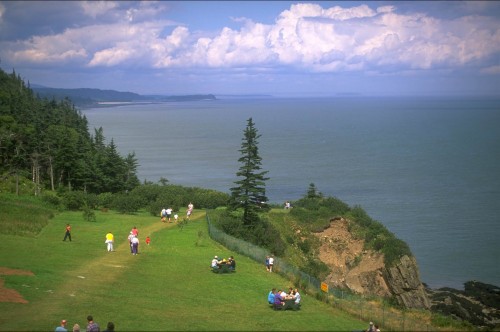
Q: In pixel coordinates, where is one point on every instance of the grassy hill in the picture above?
(168, 286)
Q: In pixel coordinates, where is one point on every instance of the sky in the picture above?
(279, 48)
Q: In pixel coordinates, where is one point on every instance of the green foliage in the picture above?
(262, 233)
(89, 214)
(24, 215)
(377, 237)
(105, 200)
(73, 200)
(48, 141)
(249, 193)
(126, 203)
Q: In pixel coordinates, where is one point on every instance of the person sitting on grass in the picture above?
(296, 296)
(215, 262)
(270, 296)
(232, 263)
(278, 301)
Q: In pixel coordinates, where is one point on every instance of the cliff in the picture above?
(364, 272)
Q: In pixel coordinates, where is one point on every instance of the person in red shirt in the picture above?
(68, 233)
(135, 231)
(148, 240)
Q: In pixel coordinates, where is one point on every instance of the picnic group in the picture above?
(279, 298)
(217, 263)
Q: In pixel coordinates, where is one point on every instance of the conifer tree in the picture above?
(250, 192)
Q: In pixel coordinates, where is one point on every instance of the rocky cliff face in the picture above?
(364, 272)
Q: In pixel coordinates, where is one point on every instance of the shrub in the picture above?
(125, 203)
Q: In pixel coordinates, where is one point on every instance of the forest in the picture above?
(49, 143)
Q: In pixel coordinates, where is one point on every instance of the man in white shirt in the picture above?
(215, 261)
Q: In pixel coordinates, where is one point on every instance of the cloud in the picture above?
(305, 37)
(97, 8)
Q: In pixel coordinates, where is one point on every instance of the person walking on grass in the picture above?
(109, 241)
(68, 233)
(135, 245)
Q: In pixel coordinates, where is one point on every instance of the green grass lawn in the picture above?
(169, 286)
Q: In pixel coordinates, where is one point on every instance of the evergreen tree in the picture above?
(250, 192)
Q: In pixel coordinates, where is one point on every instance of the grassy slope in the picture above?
(168, 286)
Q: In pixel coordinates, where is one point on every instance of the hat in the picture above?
(63, 321)
(371, 323)
(216, 257)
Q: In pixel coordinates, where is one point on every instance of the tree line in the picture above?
(49, 142)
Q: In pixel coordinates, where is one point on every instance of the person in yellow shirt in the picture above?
(109, 241)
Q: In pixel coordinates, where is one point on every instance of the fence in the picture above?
(387, 317)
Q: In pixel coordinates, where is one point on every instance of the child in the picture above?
(148, 240)
(176, 216)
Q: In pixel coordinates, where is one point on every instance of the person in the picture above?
(278, 301)
(148, 240)
(232, 263)
(110, 327)
(176, 216)
(130, 237)
(91, 325)
(267, 263)
(271, 263)
(377, 328)
(169, 214)
(135, 245)
(76, 328)
(68, 233)
(287, 205)
(62, 327)
(109, 241)
(370, 328)
(135, 231)
(270, 296)
(215, 262)
(296, 296)
(163, 214)
(189, 210)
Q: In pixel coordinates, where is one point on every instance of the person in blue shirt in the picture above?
(270, 297)
(62, 327)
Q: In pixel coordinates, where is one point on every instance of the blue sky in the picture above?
(282, 48)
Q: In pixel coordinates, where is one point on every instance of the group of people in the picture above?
(373, 328)
(91, 326)
(133, 240)
(217, 264)
(166, 213)
(269, 263)
(278, 297)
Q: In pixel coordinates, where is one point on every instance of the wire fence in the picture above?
(385, 316)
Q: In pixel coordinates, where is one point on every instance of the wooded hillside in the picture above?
(48, 142)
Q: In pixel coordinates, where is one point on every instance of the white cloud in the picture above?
(97, 8)
(306, 37)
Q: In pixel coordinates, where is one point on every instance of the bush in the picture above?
(126, 203)
(74, 200)
(105, 200)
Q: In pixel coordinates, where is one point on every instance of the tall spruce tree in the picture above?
(250, 192)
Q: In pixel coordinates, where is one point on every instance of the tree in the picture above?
(250, 192)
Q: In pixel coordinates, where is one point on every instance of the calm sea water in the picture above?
(428, 169)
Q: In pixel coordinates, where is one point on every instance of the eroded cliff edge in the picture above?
(364, 272)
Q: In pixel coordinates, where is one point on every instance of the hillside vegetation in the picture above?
(168, 286)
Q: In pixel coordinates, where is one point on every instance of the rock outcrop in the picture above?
(364, 272)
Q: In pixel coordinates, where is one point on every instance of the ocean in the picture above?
(428, 168)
